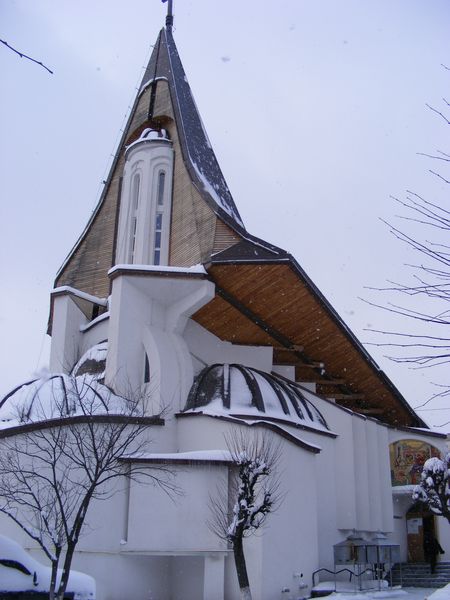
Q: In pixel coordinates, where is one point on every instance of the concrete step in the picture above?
(419, 575)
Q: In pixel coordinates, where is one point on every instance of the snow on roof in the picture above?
(150, 135)
(148, 82)
(14, 580)
(79, 294)
(192, 456)
(98, 319)
(237, 390)
(56, 396)
(93, 361)
(159, 269)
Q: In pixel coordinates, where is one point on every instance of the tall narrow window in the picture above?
(161, 181)
(159, 219)
(158, 235)
(146, 370)
(134, 215)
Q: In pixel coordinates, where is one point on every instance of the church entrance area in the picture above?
(420, 525)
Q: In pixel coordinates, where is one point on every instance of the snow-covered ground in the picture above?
(401, 594)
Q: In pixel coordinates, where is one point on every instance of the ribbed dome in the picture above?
(241, 390)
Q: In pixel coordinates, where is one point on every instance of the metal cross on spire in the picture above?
(169, 17)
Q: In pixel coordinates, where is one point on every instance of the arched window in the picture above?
(146, 370)
(161, 182)
(135, 187)
(158, 228)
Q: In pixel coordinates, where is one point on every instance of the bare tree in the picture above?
(424, 298)
(64, 448)
(241, 506)
(434, 487)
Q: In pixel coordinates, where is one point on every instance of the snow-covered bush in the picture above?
(434, 487)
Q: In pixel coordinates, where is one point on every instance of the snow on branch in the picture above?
(434, 487)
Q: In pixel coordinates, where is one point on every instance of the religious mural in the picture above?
(407, 459)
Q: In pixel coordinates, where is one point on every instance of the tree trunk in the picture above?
(241, 569)
(66, 571)
(53, 576)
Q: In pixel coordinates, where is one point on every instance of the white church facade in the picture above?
(166, 292)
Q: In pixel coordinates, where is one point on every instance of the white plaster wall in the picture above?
(66, 337)
(287, 371)
(373, 470)
(149, 314)
(120, 577)
(95, 334)
(388, 523)
(210, 349)
(401, 505)
(186, 576)
(290, 541)
(361, 475)
(443, 535)
(159, 523)
(343, 460)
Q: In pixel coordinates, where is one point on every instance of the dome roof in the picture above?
(56, 396)
(239, 390)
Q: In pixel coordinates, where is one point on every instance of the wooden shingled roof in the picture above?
(271, 301)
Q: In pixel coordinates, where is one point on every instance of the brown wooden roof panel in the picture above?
(283, 303)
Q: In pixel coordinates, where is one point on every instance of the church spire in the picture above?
(169, 17)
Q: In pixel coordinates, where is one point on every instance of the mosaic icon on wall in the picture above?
(407, 458)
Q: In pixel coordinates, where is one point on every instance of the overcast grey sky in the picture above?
(315, 108)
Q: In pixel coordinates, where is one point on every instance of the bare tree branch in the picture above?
(22, 55)
(51, 469)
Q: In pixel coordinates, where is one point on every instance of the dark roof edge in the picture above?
(179, 461)
(418, 431)
(179, 88)
(353, 339)
(78, 420)
(265, 424)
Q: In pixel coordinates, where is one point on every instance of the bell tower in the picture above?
(144, 218)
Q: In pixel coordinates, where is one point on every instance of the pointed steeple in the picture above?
(198, 155)
(204, 219)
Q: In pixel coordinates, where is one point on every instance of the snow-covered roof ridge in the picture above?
(241, 390)
(67, 289)
(53, 397)
(192, 456)
(195, 269)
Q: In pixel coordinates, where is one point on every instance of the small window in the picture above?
(146, 370)
(157, 238)
(161, 182)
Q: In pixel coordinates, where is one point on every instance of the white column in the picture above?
(65, 347)
(213, 581)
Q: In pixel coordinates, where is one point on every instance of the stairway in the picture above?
(418, 575)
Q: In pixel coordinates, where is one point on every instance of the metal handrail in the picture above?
(332, 573)
(351, 574)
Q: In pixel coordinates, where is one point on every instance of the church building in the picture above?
(167, 292)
